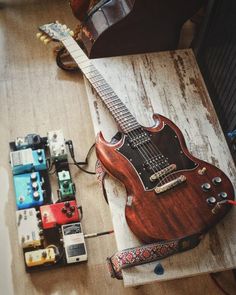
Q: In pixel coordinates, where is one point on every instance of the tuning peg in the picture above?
(57, 22)
(72, 33)
(38, 35)
(43, 37)
(46, 41)
(64, 27)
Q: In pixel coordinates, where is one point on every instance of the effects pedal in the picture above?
(29, 233)
(59, 213)
(66, 186)
(27, 160)
(74, 243)
(57, 146)
(40, 257)
(28, 190)
(33, 141)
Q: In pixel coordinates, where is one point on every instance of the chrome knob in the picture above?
(211, 200)
(217, 180)
(206, 186)
(223, 195)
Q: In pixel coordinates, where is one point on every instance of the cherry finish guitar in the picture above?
(170, 193)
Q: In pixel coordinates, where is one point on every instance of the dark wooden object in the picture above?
(178, 212)
(120, 27)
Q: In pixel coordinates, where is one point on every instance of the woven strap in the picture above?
(148, 253)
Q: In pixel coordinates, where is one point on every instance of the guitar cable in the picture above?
(78, 164)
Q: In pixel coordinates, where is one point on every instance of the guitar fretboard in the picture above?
(119, 111)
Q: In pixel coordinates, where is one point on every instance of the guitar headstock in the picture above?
(53, 31)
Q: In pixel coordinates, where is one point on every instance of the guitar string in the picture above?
(154, 148)
(154, 151)
(147, 153)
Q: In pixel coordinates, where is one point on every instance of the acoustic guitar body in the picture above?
(157, 210)
(121, 27)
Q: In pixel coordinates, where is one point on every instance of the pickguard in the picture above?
(172, 151)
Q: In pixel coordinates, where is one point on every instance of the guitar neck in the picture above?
(119, 111)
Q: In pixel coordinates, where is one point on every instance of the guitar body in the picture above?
(121, 27)
(180, 211)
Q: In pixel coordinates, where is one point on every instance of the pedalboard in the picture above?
(49, 231)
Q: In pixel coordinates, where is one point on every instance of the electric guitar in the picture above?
(170, 193)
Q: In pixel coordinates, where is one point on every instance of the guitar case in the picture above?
(121, 27)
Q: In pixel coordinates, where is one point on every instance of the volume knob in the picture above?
(206, 186)
(217, 180)
(211, 200)
(223, 195)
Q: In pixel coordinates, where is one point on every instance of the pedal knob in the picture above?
(67, 204)
(72, 208)
(211, 200)
(35, 185)
(69, 214)
(44, 254)
(39, 152)
(66, 184)
(33, 176)
(40, 159)
(36, 195)
(206, 186)
(217, 180)
(223, 195)
(63, 210)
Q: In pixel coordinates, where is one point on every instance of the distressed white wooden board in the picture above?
(168, 83)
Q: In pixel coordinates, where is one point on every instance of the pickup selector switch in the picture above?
(211, 200)
(217, 180)
(206, 186)
(223, 195)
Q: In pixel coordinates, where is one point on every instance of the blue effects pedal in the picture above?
(28, 160)
(28, 190)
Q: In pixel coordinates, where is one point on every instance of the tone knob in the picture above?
(33, 176)
(67, 204)
(206, 186)
(66, 184)
(39, 152)
(40, 159)
(35, 185)
(63, 210)
(217, 180)
(211, 200)
(36, 195)
(223, 195)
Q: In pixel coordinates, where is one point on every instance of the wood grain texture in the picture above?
(177, 213)
(170, 84)
(35, 96)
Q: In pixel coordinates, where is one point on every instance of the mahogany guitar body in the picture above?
(186, 209)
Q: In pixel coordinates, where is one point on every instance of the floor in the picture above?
(36, 96)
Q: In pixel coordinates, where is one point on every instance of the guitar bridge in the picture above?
(171, 184)
(163, 172)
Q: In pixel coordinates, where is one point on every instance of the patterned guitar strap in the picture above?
(145, 253)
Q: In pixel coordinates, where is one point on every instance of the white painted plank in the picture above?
(168, 83)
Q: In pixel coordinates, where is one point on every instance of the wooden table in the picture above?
(171, 84)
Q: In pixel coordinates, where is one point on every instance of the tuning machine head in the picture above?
(43, 37)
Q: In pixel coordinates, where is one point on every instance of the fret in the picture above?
(113, 102)
(99, 83)
(120, 112)
(107, 94)
(99, 89)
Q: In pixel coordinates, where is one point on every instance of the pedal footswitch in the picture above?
(74, 243)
